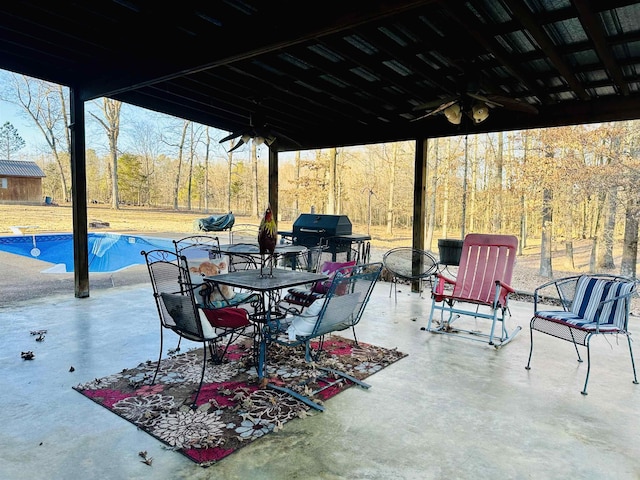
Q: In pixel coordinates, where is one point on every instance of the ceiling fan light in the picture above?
(258, 141)
(245, 138)
(480, 112)
(453, 114)
(269, 140)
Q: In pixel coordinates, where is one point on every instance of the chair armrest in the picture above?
(502, 293)
(437, 291)
(508, 288)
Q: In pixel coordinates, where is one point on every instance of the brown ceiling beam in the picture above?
(470, 24)
(522, 12)
(594, 31)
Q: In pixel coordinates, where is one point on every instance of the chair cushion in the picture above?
(590, 292)
(229, 317)
(574, 321)
(303, 323)
(301, 296)
(238, 298)
(330, 268)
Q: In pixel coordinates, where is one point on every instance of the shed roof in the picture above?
(14, 168)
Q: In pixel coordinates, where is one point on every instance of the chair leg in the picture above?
(159, 356)
(218, 359)
(575, 345)
(633, 364)
(493, 325)
(586, 380)
(194, 405)
(528, 367)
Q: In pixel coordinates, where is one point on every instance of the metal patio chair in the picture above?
(410, 264)
(180, 311)
(589, 305)
(340, 308)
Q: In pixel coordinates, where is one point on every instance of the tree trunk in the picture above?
(496, 218)
(391, 192)
(547, 230)
(176, 187)
(206, 169)
(463, 220)
(474, 179)
(568, 252)
(229, 176)
(445, 196)
(605, 252)
(596, 228)
(431, 210)
(630, 245)
(255, 200)
(190, 175)
(332, 197)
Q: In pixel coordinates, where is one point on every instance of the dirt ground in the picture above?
(21, 277)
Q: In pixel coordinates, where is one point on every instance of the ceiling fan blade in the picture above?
(237, 145)
(239, 133)
(512, 104)
(436, 103)
(484, 99)
(441, 108)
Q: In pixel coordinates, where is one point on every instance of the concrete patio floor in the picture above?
(452, 409)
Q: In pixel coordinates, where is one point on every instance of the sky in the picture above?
(11, 113)
(36, 146)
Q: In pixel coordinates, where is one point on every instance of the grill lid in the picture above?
(321, 225)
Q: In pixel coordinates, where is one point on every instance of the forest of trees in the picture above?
(557, 184)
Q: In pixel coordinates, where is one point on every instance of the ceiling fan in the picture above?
(258, 130)
(472, 102)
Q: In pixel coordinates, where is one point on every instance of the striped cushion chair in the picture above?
(591, 305)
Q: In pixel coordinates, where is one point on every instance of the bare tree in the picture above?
(45, 104)
(111, 124)
(255, 201)
(181, 142)
(207, 145)
(392, 163)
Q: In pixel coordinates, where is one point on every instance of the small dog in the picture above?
(210, 269)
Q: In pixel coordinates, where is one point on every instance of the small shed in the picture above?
(20, 182)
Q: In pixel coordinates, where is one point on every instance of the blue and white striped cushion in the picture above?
(590, 292)
(574, 320)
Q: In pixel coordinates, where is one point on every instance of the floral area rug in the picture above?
(232, 409)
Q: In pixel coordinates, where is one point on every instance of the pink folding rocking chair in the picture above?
(482, 285)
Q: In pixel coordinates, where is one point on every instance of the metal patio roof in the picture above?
(336, 73)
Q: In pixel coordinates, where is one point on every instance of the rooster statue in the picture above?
(267, 238)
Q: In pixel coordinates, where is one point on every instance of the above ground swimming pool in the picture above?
(108, 252)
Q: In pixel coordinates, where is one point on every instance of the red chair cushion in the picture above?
(228, 317)
(330, 268)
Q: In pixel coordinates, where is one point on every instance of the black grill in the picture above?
(332, 231)
(310, 229)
